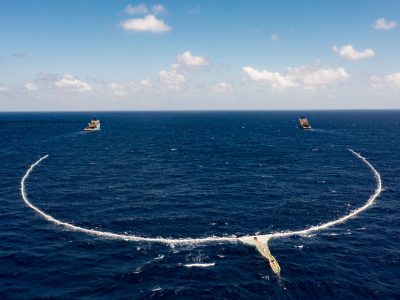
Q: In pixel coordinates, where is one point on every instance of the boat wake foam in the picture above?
(199, 265)
(260, 241)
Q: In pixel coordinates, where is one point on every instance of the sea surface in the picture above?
(197, 175)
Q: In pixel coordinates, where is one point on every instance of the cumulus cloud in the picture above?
(311, 77)
(393, 79)
(123, 89)
(222, 87)
(3, 88)
(376, 81)
(149, 23)
(176, 78)
(382, 24)
(306, 77)
(145, 84)
(142, 8)
(190, 60)
(276, 80)
(31, 87)
(71, 83)
(349, 52)
(172, 79)
(117, 89)
(390, 80)
(136, 9)
(158, 9)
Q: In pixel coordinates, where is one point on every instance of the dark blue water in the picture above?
(199, 174)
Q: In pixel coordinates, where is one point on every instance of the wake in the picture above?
(260, 241)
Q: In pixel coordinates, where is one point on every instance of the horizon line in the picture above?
(203, 110)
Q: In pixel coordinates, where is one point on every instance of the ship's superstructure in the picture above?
(304, 123)
(93, 125)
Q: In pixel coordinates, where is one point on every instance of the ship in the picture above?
(304, 123)
(93, 125)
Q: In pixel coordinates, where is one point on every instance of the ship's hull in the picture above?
(91, 129)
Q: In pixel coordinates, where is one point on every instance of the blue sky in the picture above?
(178, 55)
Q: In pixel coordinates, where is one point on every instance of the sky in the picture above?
(94, 55)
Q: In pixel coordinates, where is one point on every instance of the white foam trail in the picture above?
(199, 265)
(212, 239)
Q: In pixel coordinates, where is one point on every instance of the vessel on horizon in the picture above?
(304, 123)
(93, 125)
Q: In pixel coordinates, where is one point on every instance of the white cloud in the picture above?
(393, 79)
(172, 79)
(71, 83)
(276, 80)
(119, 93)
(117, 89)
(187, 59)
(123, 89)
(136, 9)
(31, 87)
(175, 78)
(3, 88)
(274, 37)
(349, 52)
(158, 9)
(222, 87)
(115, 86)
(146, 84)
(311, 77)
(306, 77)
(141, 9)
(390, 80)
(376, 82)
(149, 23)
(382, 24)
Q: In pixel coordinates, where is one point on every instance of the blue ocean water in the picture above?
(199, 174)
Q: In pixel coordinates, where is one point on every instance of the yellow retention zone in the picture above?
(264, 251)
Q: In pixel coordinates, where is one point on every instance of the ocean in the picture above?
(159, 177)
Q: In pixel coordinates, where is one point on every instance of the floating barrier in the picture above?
(259, 241)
